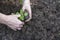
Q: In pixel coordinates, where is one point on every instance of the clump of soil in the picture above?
(45, 24)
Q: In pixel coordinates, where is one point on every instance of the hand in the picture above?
(13, 22)
(26, 6)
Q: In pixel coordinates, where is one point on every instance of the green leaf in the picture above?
(25, 14)
(17, 13)
(21, 12)
(21, 1)
(21, 18)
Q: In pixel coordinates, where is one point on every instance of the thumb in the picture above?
(23, 8)
(17, 15)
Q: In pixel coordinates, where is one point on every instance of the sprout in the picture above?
(22, 13)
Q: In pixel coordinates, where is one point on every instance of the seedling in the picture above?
(22, 13)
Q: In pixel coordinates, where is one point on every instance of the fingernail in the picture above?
(19, 28)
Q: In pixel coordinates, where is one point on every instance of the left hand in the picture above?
(13, 22)
(26, 6)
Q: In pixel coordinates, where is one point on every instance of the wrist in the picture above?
(26, 1)
(2, 18)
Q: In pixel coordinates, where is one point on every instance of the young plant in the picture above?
(22, 13)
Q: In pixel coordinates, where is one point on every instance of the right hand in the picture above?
(27, 7)
(13, 22)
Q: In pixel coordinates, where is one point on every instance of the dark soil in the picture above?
(45, 24)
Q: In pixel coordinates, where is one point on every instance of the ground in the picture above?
(45, 24)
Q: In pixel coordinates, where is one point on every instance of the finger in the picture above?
(28, 8)
(20, 22)
(28, 20)
(30, 13)
(18, 15)
(20, 25)
(18, 28)
(23, 8)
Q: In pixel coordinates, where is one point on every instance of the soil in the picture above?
(45, 24)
